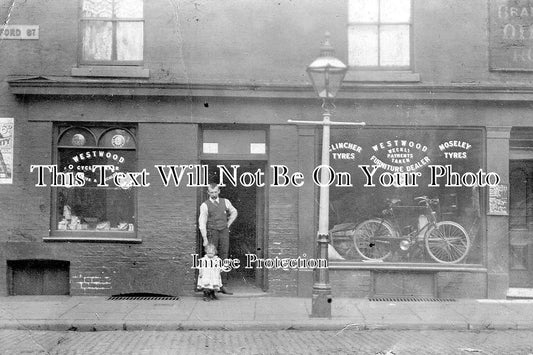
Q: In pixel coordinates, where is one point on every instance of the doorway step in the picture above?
(241, 288)
(520, 293)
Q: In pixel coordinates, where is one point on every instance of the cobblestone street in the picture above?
(267, 342)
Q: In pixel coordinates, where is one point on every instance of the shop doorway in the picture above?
(248, 230)
(521, 223)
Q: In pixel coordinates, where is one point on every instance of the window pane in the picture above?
(394, 45)
(97, 8)
(363, 45)
(129, 41)
(81, 209)
(117, 138)
(97, 40)
(77, 137)
(394, 11)
(84, 160)
(363, 11)
(393, 149)
(518, 197)
(129, 8)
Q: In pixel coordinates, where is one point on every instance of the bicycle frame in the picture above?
(378, 238)
(417, 234)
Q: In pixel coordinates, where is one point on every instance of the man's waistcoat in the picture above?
(217, 217)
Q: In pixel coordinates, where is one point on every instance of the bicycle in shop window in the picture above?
(377, 239)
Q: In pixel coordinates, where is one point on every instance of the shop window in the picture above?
(379, 34)
(103, 205)
(386, 221)
(112, 32)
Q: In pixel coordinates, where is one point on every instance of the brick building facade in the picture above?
(214, 83)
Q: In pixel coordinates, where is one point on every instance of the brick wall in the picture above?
(350, 283)
(461, 285)
(283, 212)
(166, 221)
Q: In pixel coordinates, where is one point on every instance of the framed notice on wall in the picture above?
(511, 35)
(6, 150)
(498, 200)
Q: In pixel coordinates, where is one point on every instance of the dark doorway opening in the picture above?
(247, 232)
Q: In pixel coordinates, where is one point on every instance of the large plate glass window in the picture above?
(379, 34)
(103, 206)
(385, 218)
(112, 32)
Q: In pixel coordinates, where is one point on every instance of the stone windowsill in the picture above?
(112, 71)
(382, 76)
(93, 236)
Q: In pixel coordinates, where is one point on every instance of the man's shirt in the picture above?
(202, 220)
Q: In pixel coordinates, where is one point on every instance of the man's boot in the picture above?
(223, 290)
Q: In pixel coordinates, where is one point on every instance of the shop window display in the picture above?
(416, 195)
(102, 203)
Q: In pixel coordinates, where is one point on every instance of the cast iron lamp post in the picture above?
(326, 74)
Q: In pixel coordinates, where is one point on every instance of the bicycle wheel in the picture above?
(448, 242)
(372, 239)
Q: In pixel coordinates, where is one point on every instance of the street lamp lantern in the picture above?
(327, 72)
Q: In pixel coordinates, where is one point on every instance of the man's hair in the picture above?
(212, 185)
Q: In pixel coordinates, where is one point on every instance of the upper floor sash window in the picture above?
(379, 34)
(112, 32)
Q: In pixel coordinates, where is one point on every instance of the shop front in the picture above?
(119, 235)
(407, 211)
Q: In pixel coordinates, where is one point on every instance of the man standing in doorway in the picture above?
(216, 216)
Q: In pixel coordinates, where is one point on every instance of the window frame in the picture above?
(114, 21)
(381, 68)
(55, 234)
(514, 211)
(478, 240)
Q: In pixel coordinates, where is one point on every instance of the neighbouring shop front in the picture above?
(412, 220)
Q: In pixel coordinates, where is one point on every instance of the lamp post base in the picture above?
(321, 303)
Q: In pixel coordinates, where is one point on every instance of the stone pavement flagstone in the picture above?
(439, 314)
(227, 310)
(163, 311)
(273, 308)
(269, 313)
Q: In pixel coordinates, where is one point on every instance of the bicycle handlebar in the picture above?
(427, 200)
(420, 199)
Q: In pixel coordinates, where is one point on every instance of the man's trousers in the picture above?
(220, 239)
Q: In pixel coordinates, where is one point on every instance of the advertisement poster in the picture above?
(510, 29)
(6, 150)
(266, 177)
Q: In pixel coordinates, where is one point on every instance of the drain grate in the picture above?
(410, 299)
(142, 297)
(132, 298)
